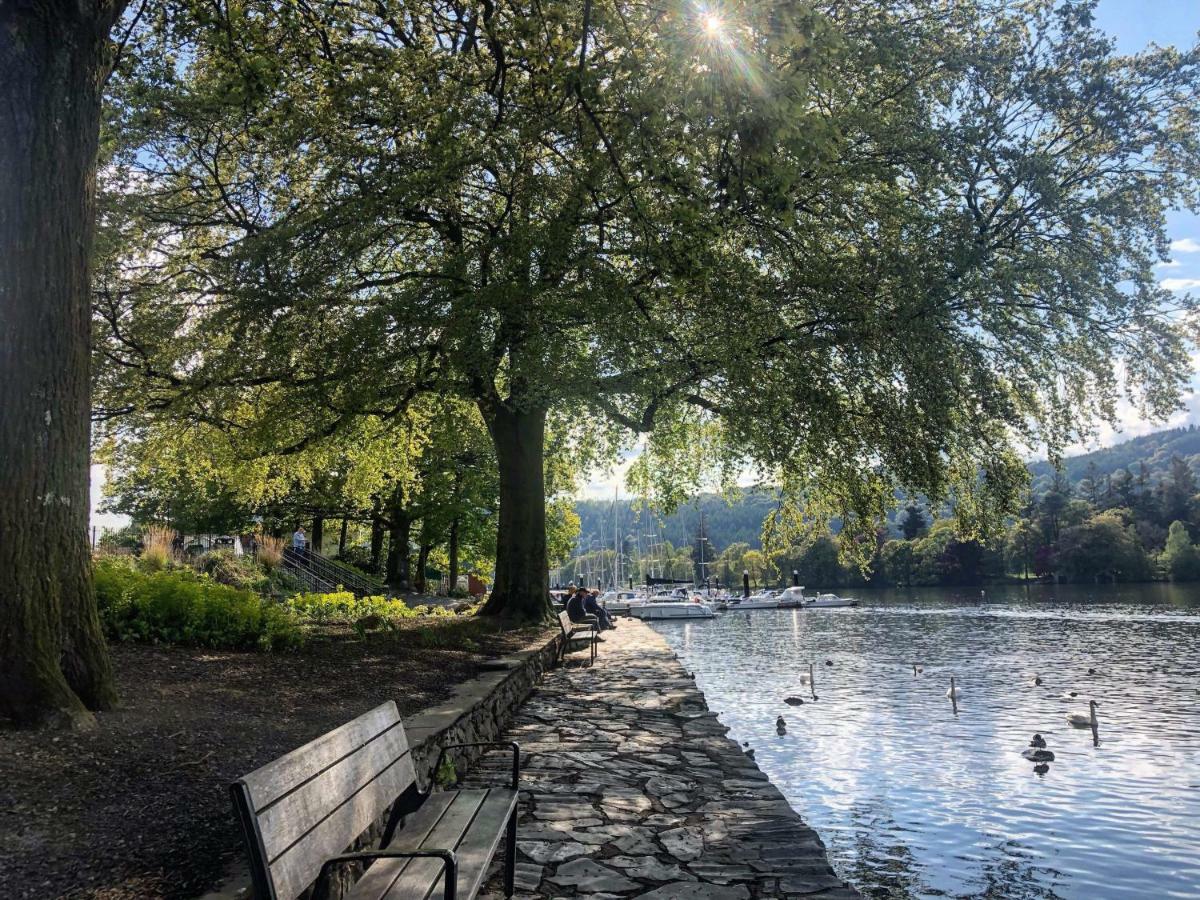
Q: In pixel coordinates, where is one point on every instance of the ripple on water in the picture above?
(916, 801)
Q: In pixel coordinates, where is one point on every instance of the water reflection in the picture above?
(915, 801)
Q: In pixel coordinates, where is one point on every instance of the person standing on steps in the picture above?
(300, 541)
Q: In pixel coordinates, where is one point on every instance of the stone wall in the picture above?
(479, 710)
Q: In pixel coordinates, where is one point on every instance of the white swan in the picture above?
(1079, 720)
(954, 692)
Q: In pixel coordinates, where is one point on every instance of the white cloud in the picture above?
(1169, 264)
(1180, 284)
(1185, 245)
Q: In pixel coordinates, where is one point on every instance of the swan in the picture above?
(954, 692)
(1079, 720)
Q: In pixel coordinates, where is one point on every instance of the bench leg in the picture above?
(510, 859)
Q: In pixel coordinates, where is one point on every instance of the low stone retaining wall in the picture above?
(479, 710)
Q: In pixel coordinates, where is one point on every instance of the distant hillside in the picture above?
(1154, 450)
(725, 524)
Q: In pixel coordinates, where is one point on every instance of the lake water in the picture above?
(914, 800)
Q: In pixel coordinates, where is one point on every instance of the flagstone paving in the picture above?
(632, 789)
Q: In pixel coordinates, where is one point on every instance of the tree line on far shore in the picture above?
(1136, 523)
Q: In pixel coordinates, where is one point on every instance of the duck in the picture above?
(917, 670)
(794, 701)
(1091, 671)
(1038, 741)
(1070, 695)
(1041, 768)
(1079, 720)
(780, 726)
(1037, 680)
(1037, 756)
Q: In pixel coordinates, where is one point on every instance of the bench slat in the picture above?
(270, 782)
(415, 878)
(297, 813)
(479, 844)
(300, 864)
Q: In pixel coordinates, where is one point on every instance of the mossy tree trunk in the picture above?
(54, 665)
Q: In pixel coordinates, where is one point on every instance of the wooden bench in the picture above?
(587, 630)
(301, 812)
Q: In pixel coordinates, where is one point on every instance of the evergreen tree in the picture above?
(914, 524)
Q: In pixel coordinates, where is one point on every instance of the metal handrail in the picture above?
(324, 569)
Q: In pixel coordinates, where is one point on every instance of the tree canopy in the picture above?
(859, 245)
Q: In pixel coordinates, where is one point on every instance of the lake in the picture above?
(914, 800)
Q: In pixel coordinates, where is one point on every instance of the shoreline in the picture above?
(631, 787)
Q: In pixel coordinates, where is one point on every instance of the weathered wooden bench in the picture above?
(587, 630)
(300, 813)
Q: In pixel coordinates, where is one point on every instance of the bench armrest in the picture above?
(449, 863)
(511, 745)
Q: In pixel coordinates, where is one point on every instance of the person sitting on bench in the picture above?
(575, 605)
(592, 607)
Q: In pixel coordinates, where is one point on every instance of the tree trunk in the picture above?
(521, 590)
(342, 538)
(422, 561)
(398, 572)
(318, 534)
(53, 661)
(376, 537)
(452, 552)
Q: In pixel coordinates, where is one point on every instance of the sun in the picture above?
(713, 24)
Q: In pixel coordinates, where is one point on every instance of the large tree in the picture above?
(865, 245)
(54, 57)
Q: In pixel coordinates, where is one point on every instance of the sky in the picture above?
(1134, 24)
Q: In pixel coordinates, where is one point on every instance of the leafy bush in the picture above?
(463, 634)
(226, 567)
(181, 606)
(343, 606)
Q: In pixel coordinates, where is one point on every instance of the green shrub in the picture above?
(464, 633)
(181, 606)
(225, 567)
(343, 606)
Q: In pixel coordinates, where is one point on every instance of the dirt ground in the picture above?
(139, 808)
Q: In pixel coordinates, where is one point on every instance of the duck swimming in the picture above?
(1038, 741)
(780, 726)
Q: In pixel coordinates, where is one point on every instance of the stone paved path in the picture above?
(632, 789)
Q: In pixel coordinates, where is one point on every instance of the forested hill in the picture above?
(1153, 450)
(725, 524)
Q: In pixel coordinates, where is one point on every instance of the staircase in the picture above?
(323, 575)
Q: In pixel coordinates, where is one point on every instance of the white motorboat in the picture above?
(793, 598)
(621, 602)
(762, 600)
(668, 606)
